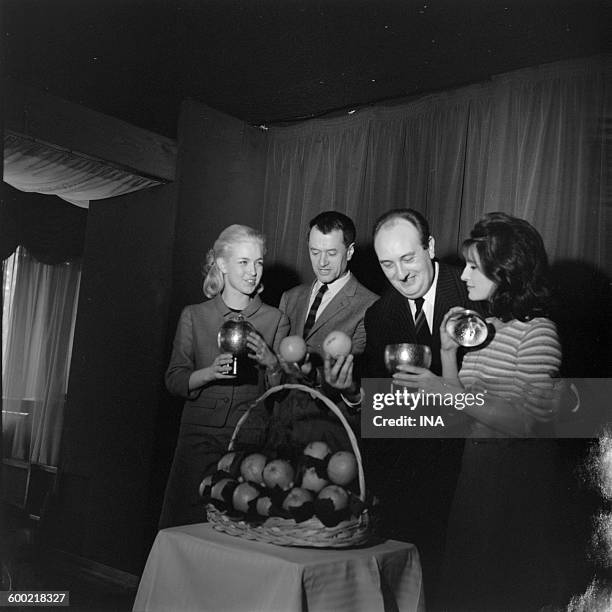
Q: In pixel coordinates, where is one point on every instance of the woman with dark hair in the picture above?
(198, 372)
(504, 535)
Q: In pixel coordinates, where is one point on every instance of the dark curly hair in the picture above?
(512, 254)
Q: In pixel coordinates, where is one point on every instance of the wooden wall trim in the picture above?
(68, 125)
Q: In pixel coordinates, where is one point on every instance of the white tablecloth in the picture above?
(197, 568)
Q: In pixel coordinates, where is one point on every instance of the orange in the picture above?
(342, 468)
(292, 349)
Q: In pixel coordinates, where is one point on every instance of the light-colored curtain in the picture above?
(530, 143)
(34, 166)
(40, 325)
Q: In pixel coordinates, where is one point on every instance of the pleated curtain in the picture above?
(530, 143)
(36, 355)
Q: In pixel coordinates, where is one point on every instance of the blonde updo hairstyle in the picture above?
(213, 277)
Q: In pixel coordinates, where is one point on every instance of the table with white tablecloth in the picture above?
(195, 567)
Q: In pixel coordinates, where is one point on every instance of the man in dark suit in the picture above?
(421, 292)
(405, 250)
(415, 479)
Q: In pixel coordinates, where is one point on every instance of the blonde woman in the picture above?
(200, 373)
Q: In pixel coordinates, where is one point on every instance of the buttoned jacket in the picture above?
(220, 403)
(345, 312)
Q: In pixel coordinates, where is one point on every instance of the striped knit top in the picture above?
(520, 355)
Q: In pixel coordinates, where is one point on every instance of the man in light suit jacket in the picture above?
(335, 301)
(344, 300)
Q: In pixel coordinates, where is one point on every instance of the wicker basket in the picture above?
(286, 532)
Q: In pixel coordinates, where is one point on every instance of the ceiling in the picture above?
(269, 61)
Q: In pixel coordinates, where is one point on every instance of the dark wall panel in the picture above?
(142, 262)
(116, 377)
(221, 170)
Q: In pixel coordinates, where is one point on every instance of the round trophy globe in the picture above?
(467, 328)
(232, 338)
(406, 354)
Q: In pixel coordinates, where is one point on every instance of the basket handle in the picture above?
(317, 395)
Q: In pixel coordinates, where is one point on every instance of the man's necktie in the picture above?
(423, 333)
(312, 313)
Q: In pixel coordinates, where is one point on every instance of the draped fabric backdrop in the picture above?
(33, 166)
(43, 293)
(530, 143)
(36, 356)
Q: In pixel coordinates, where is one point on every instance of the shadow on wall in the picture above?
(277, 279)
(582, 310)
(366, 268)
(453, 259)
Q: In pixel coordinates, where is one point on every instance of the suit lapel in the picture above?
(340, 300)
(400, 321)
(301, 309)
(405, 316)
(398, 325)
(399, 309)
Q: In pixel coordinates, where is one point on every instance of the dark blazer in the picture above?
(414, 479)
(344, 313)
(218, 404)
(389, 320)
